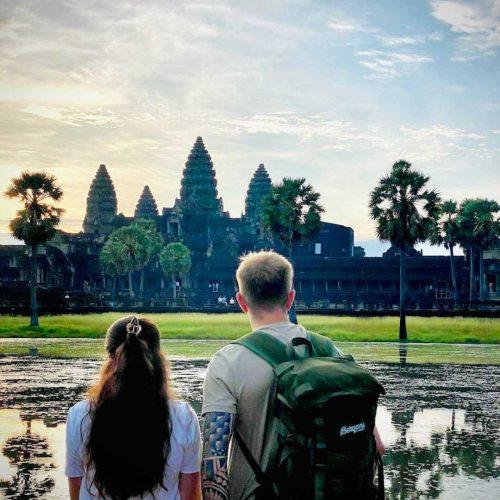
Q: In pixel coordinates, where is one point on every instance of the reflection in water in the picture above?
(403, 354)
(440, 424)
(30, 455)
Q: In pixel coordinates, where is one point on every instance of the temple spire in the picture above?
(259, 188)
(146, 206)
(101, 204)
(198, 184)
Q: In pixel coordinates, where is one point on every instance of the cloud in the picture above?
(392, 41)
(349, 26)
(341, 135)
(387, 65)
(476, 23)
(440, 130)
(395, 41)
(77, 116)
(465, 58)
(438, 141)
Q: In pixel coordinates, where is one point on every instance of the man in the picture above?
(239, 384)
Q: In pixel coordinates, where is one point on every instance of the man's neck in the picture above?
(267, 318)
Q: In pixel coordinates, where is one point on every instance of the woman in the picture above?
(130, 439)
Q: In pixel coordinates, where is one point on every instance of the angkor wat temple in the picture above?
(330, 271)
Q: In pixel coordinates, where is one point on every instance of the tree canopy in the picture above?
(292, 212)
(479, 222)
(36, 222)
(175, 258)
(446, 230)
(404, 209)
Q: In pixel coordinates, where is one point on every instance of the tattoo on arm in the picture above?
(217, 431)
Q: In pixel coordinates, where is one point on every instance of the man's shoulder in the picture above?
(230, 352)
(234, 358)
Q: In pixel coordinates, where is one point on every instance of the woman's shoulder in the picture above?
(184, 420)
(79, 410)
(181, 410)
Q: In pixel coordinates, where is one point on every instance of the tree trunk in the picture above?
(113, 293)
(481, 275)
(141, 286)
(33, 288)
(453, 278)
(130, 285)
(292, 313)
(471, 275)
(403, 335)
(174, 287)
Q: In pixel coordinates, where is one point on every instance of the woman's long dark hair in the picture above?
(129, 438)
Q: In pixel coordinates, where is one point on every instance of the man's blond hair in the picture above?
(264, 278)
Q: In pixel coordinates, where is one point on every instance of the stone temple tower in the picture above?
(200, 206)
(259, 187)
(198, 184)
(146, 206)
(101, 204)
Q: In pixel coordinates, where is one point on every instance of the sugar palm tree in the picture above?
(446, 233)
(479, 229)
(175, 260)
(405, 212)
(291, 214)
(487, 231)
(36, 222)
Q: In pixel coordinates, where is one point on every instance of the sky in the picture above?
(334, 91)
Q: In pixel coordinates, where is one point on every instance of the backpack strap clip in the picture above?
(297, 342)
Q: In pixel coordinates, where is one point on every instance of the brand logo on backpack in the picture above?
(352, 429)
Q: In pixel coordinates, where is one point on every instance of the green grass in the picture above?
(388, 352)
(230, 326)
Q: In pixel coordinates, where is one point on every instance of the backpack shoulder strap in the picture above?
(323, 346)
(265, 346)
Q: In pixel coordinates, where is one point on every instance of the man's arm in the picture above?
(217, 432)
(378, 440)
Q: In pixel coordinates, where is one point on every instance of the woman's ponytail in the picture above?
(129, 436)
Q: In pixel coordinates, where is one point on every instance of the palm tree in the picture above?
(291, 214)
(487, 231)
(446, 233)
(479, 229)
(36, 223)
(405, 212)
(112, 262)
(175, 260)
(153, 244)
(129, 247)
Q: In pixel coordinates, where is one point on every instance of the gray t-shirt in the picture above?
(240, 382)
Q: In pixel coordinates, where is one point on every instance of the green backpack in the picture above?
(325, 406)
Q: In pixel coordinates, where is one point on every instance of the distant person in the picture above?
(286, 415)
(131, 438)
(232, 301)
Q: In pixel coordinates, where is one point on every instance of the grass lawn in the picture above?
(388, 352)
(231, 326)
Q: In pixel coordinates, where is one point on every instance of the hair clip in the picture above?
(133, 326)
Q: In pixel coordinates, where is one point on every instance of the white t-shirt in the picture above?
(184, 457)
